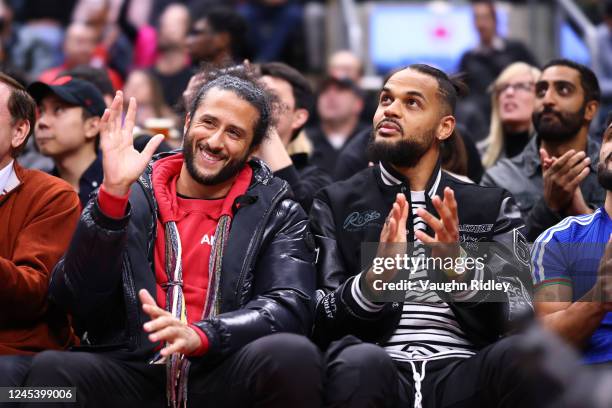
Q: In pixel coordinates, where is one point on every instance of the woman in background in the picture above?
(512, 99)
(145, 88)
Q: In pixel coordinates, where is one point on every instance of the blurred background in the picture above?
(151, 48)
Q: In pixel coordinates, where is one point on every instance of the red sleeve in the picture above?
(204, 346)
(111, 205)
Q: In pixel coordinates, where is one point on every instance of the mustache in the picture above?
(389, 120)
(208, 149)
(550, 110)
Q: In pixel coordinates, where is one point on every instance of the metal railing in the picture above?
(568, 9)
(354, 31)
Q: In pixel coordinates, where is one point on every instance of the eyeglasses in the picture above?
(516, 87)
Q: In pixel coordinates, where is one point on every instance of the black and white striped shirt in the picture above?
(428, 328)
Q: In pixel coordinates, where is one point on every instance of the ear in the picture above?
(300, 116)
(187, 122)
(590, 110)
(445, 127)
(20, 133)
(92, 127)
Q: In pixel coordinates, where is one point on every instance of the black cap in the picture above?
(72, 91)
(342, 83)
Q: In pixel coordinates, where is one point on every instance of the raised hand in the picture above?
(577, 205)
(273, 152)
(122, 164)
(446, 228)
(393, 239)
(562, 176)
(178, 336)
(394, 230)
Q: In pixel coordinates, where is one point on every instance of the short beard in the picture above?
(405, 152)
(568, 126)
(604, 176)
(230, 170)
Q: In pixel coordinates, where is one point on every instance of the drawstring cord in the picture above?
(418, 379)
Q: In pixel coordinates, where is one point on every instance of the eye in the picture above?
(385, 99)
(234, 133)
(541, 90)
(563, 89)
(412, 102)
(208, 123)
(58, 110)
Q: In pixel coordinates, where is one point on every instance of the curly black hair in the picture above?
(242, 81)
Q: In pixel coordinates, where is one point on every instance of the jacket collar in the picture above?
(531, 156)
(165, 175)
(391, 177)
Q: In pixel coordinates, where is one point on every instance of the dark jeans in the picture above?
(13, 370)
(280, 370)
(517, 371)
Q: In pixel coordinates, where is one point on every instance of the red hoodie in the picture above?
(196, 221)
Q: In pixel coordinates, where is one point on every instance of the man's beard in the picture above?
(604, 175)
(405, 152)
(230, 170)
(566, 128)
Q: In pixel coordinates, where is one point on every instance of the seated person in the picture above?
(67, 131)
(572, 272)
(38, 214)
(567, 98)
(339, 105)
(512, 101)
(431, 349)
(288, 151)
(172, 275)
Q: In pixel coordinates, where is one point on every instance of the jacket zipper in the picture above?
(255, 243)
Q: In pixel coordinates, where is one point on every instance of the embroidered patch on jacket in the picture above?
(358, 220)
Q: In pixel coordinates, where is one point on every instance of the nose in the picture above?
(509, 91)
(215, 141)
(392, 110)
(549, 97)
(43, 121)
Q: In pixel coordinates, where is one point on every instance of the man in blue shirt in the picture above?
(572, 271)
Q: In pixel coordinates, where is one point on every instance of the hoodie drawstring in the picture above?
(418, 379)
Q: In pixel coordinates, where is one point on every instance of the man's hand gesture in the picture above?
(446, 228)
(178, 336)
(122, 163)
(393, 239)
(562, 177)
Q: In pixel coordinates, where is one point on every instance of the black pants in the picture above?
(280, 370)
(518, 371)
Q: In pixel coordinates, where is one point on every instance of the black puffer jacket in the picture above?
(267, 278)
(351, 212)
